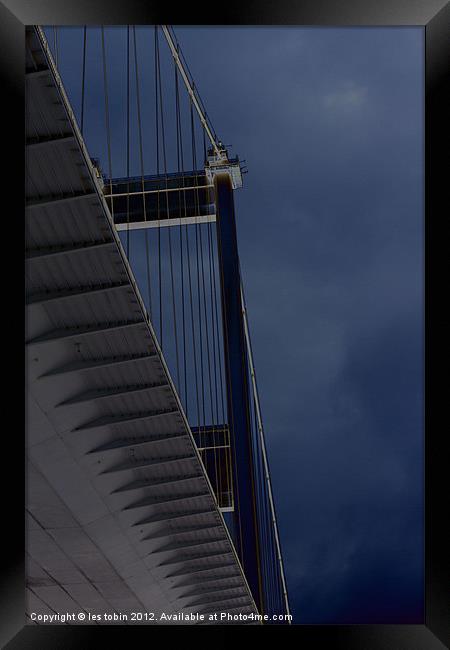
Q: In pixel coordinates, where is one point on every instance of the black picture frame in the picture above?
(434, 16)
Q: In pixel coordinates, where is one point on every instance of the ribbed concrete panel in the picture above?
(121, 513)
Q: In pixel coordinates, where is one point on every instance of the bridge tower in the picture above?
(222, 176)
(245, 520)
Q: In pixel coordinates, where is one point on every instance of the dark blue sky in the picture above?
(330, 227)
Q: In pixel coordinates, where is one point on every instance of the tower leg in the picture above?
(238, 402)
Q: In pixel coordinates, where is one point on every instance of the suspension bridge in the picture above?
(148, 483)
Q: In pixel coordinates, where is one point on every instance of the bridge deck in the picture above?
(121, 515)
